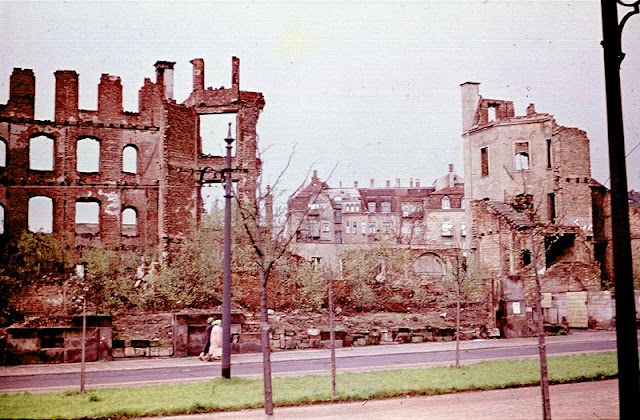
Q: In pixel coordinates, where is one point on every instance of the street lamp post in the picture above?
(627, 341)
(80, 272)
(226, 287)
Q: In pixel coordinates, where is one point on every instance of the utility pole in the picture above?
(627, 341)
(226, 287)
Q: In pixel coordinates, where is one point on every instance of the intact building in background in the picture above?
(126, 180)
(328, 221)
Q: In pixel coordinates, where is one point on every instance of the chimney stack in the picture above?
(164, 77)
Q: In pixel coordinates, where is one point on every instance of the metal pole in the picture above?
(226, 289)
(627, 341)
(80, 272)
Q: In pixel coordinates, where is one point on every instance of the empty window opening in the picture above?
(88, 155)
(130, 159)
(40, 214)
(87, 217)
(484, 161)
(429, 265)
(3, 153)
(445, 203)
(551, 207)
(129, 221)
(213, 131)
(491, 113)
(521, 158)
(41, 153)
(548, 153)
(1, 219)
(521, 162)
(557, 247)
(526, 256)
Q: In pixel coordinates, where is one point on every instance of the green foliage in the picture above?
(39, 254)
(111, 279)
(236, 394)
(362, 270)
(299, 284)
(193, 275)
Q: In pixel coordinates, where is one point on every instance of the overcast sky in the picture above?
(372, 87)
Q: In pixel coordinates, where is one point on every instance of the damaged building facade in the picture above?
(126, 180)
(532, 206)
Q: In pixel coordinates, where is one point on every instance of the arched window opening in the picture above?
(130, 159)
(429, 266)
(1, 219)
(3, 153)
(40, 214)
(129, 221)
(41, 153)
(445, 203)
(87, 217)
(88, 155)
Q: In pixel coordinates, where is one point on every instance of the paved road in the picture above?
(147, 371)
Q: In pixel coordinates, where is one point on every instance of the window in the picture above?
(325, 226)
(87, 217)
(548, 153)
(372, 228)
(526, 256)
(445, 203)
(386, 227)
(355, 228)
(521, 158)
(463, 229)
(313, 228)
(1, 219)
(315, 261)
(484, 161)
(88, 155)
(40, 214)
(3, 153)
(551, 207)
(447, 227)
(386, 207)
(363, 227)
(41, 153)
(371, 207)
(129, 221)
(130, 159)
(406, 228)
(491, 113)
(348, 227)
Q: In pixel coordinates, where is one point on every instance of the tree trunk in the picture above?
(265, 330)
(542, 347)
(332, 338)
(458, 324)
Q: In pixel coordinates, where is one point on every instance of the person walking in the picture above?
(215, 347)
(204, 353)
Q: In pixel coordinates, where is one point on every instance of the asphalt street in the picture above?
(168, 370)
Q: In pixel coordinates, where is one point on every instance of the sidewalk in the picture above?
(149, 363)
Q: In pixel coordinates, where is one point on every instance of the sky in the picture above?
(355, 90)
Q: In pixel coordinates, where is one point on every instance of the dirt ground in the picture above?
(587, 400)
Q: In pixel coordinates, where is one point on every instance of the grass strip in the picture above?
(235, 394)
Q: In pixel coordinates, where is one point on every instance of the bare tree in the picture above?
(269, 245)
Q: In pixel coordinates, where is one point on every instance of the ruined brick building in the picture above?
(531, 202)
(127, 180)
(327, 222)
